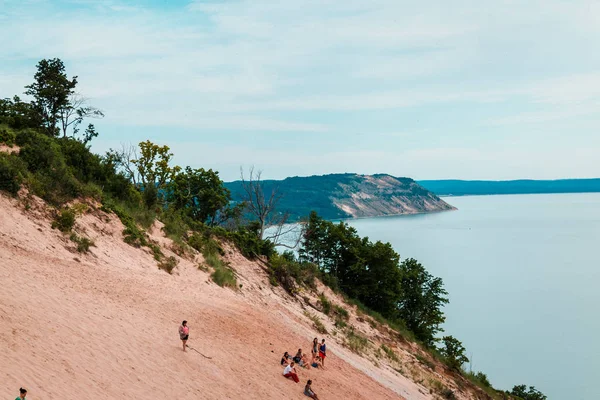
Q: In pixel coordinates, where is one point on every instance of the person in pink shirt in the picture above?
(184, 333)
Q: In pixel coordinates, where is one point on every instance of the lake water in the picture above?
(523, 273)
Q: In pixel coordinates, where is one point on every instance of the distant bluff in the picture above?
(337, 196)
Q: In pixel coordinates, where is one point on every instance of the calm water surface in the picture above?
(523, 273)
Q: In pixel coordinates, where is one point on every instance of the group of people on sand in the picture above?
(318, 355)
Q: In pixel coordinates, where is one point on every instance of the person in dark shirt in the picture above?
(323, 351)
(285, 358)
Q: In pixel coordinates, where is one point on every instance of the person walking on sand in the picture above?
(184, 333)
(22, 394)
(315, 349)
(309, 392)
(290, 372)
(323, 351)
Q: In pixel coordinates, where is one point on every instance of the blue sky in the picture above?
(431, 89)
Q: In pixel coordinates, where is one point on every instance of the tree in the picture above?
(18, 114)
(51, 93)
(153, 169)
(454, 352)
(421, 300)
(74, 112)
(200, 194)
(263, 208)
(531, 394)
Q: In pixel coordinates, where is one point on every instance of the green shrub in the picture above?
(83, 243)
(7, 136)
(454, 352)
(340, 323)
(224, 276)
(168, 264)
(356, 342)
(64, 220)
(325, 304)
(12, 171)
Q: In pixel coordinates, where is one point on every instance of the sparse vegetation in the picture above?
(356, 342)
(83, 243)
(390, 353)
(325, 304)
(317, 323)
(168, 264)
(341, 312)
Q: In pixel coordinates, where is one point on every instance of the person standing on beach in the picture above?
(315, 349)
(184, 333)
(323, 351)
(22, 394)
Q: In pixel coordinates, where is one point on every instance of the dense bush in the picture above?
(168, 264)
(7, 136)
(12, 172)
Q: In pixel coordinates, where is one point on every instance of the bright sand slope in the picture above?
(104, 325)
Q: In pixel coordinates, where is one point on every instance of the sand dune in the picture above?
(104, 325)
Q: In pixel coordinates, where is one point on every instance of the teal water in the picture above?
(523, 273)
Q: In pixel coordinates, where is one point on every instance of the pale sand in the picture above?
(105, 327)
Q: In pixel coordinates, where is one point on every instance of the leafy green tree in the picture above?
(152, 168)
(531, 394)
(421, 300)
(18, 114)
(51, 91)
(454, 352)
(200, 194)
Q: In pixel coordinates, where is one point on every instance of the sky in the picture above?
(429, 90)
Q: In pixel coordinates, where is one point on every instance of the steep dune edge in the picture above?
(104, 325)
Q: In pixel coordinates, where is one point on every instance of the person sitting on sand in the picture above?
(184, 333)
(285, 358)
(290, 372)
(318, 363)
(298, 356)
(22, 394)
(309, 392)
(323, 351)
(304, 362)
(315, 349)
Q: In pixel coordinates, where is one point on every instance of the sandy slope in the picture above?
(104, 325)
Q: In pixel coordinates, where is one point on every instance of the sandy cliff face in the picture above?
(380, 195)
(103, 325)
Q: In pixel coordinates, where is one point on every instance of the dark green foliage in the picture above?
(525, 394)
(168, 264)
(83, 243)
(12, 172)
(18, 114)
(249, 243)
(454, 352)
(422, 296)
(64, 220)
(7, 136)
(200, 194)
(51, 91)
(286, 271)
(205, 243)
(372, 273)
(448, 394)
(150, 196)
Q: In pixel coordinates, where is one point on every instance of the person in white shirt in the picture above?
(290, 372)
